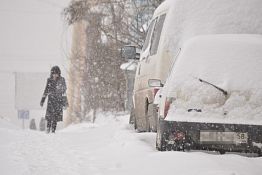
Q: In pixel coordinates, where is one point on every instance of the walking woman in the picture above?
(55, 90)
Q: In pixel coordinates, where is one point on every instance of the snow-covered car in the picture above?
(174, 22)
(212, 99)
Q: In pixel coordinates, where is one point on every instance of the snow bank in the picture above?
(102, 119)
(231, 62)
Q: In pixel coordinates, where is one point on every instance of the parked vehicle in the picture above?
(212, 97)
(173, 23)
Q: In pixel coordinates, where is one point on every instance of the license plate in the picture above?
(223, 137)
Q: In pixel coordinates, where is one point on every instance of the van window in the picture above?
(149, 31)
(156, 34)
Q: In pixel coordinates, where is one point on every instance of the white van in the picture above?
(175, 21)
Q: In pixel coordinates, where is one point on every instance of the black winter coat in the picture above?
(54, 89)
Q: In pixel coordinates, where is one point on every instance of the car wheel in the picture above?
(146, 117)
(259, 153)
(135, 123)
(152, 117)
(161, 144)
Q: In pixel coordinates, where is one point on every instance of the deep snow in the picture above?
(110, 146)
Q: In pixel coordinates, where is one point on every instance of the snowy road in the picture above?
(109, 147)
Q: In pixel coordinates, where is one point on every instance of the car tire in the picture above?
(259, 153)
(146, 127)
(161, 144)
(152, 117)
(135, 122)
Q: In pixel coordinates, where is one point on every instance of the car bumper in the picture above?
(213, 136)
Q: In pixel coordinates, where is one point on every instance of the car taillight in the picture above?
(179, 136)
(168, 102)
(155, 91)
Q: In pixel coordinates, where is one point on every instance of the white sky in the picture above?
(33, 36)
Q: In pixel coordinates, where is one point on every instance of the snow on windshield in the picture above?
(230, 62)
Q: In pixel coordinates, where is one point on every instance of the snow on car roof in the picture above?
(190, 18)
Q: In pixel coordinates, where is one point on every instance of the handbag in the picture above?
(65, 101)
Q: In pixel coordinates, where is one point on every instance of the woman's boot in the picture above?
(48, 130)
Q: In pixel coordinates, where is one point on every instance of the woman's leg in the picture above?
(48, 125)
(54, 123)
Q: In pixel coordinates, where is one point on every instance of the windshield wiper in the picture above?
(220, 89)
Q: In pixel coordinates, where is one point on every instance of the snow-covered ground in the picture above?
(108, 147)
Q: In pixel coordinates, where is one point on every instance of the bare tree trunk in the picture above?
(75, 73)
(95, 79)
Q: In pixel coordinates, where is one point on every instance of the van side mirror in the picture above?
(155, 83)
(130, 52)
